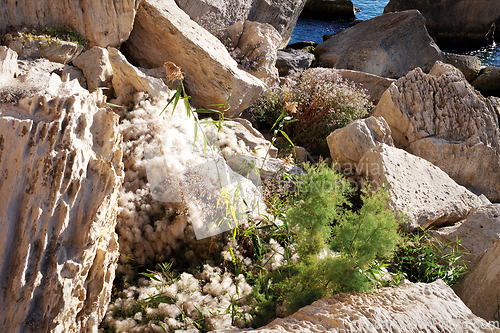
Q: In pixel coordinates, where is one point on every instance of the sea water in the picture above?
(314, 30)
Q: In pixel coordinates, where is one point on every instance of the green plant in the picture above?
(339, 249)
(422, 258)
(319, 100)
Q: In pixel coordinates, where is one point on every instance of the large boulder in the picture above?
(96, 67)
(103, 23)
(455, 24)
(61, 167)
(291, 60)
(488, 81)
(443, 119)
(421, 191)
(480, 289)
(389, 45)
(478, 232)
(374, 85)
(348, 144)
(408, 308)
(259, 43)
(330, 9)
(281, 14)
(163, 32)
(470, 66)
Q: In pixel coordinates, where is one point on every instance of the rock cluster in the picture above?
(390, 45)
(411, 307)
(61, 167)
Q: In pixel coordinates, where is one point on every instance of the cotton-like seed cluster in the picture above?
(151, 231)
(203, 299)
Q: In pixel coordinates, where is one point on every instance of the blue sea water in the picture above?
(314, 30)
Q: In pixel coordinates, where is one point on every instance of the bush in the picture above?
(319, 100)
(336, 245)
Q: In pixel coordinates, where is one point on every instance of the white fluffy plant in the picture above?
(177, 187)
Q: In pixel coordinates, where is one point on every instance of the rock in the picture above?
(418, 189)
(330, 9)
(293, 60)
(488, 81)
(478, 232)
(454, 24)
(374, 85)
(163, 32)
(39, 65)
(470, 66)
(390, 45)
(441, 118)
(253, 167)
(32, 47)
(127, 79)
(479, 290)
(300, 153)
(8, 65)
(97, 69)
(104, 22)
(281, 14)
(304, 46)
(410, 307)
(61, 167)
(72, 73)
(348, 144)
(495, 102)
(260, 42)
(239, 137)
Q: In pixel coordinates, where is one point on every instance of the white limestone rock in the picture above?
(103, 22)
(61, 168)
(418, 189)
(96, 67)
(408, 308)
(348, 144)
(478, 232)
(163, 32)
(440, 117)
(8, 64)
(480, 288)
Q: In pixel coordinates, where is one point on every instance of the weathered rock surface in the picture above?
(61, 167)
(348, 144)
(260, 42)
(163, 32)
(454, 24)
(478, 232)
(330, 9)
(441, 118)
(289, 60)
(72, 73)
(103, 22)
(239, 137)
(281, 14)
(389, 45)
(410, 307)
(96, 67)
(40, 47)
(480, 288)
(374, 85)
(422, 191)
(488, 81)
(470, 66)
(128, 79)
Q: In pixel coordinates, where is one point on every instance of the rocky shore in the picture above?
(97, 134)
